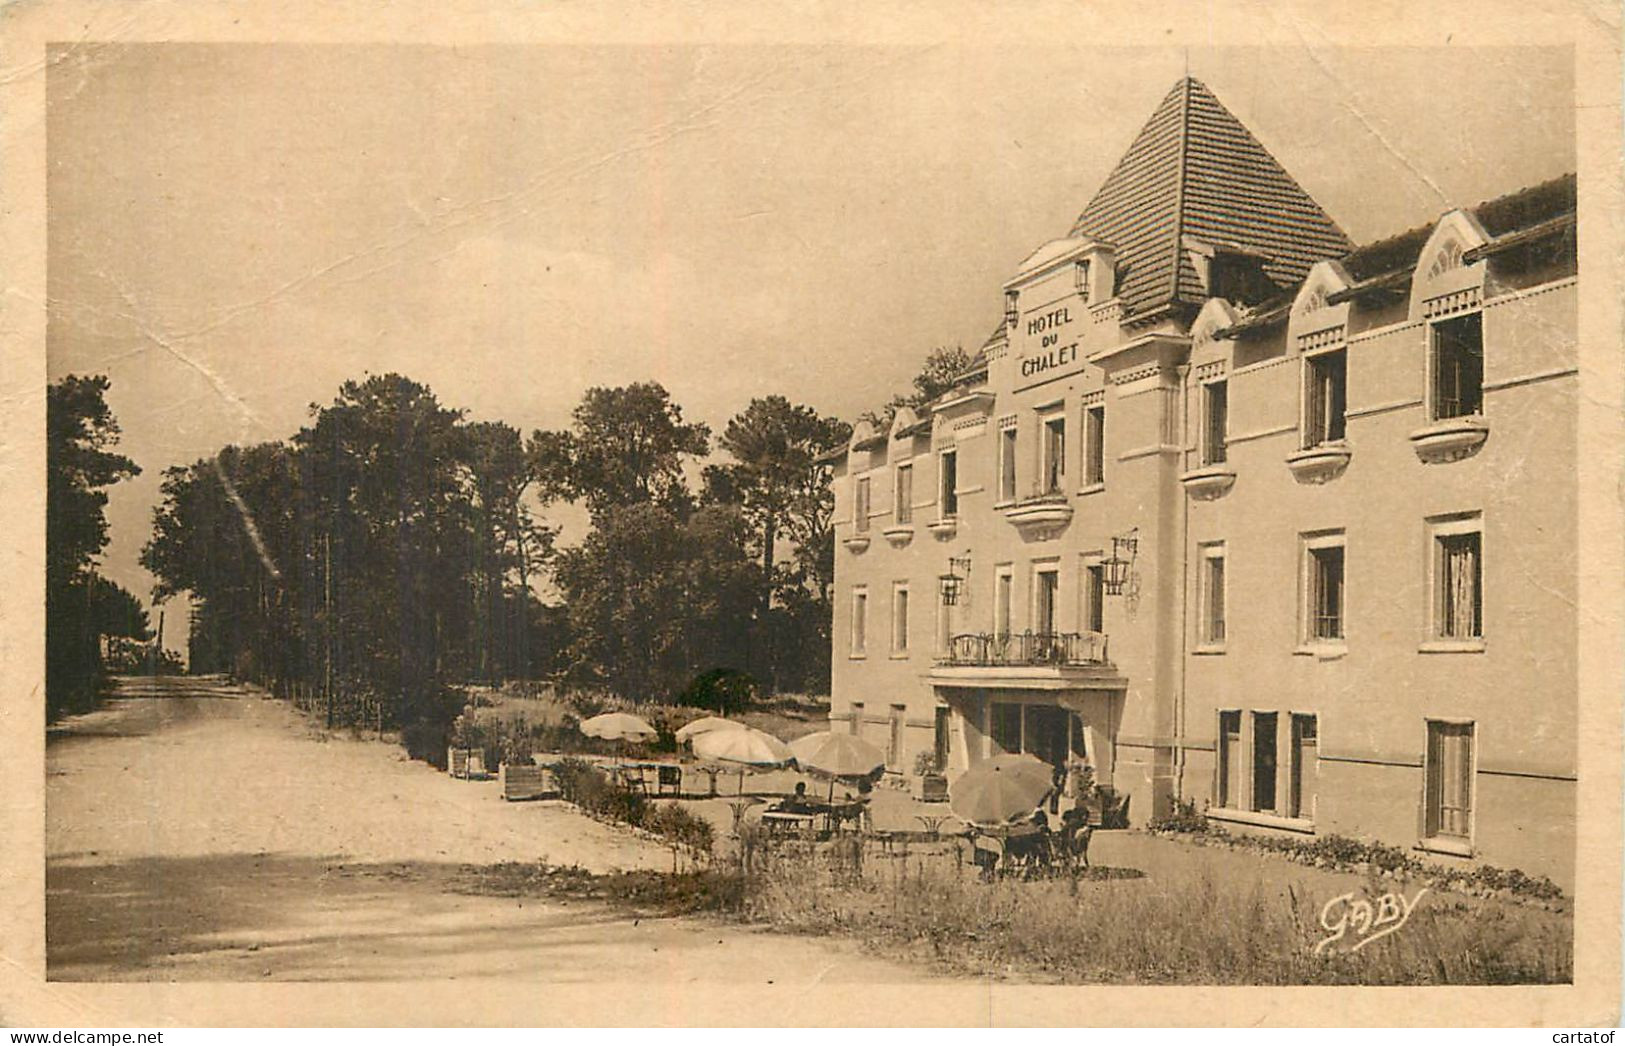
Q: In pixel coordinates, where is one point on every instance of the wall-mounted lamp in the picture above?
(953, 581)
(1121, 563)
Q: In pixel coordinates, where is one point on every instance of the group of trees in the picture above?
(385, 550)
(81, 606)
(393, 547)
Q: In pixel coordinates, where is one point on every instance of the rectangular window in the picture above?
(1054, 463)
(948, 496)
(1215, 422)
(1264, 761)
(945, 626)
(1458, 580)
(1230, 760)
(860, 624)
(1323, 588)
(1305, 766)
(1210, 595)
(1004, 586)
(1094, 586)
(1326, 398)
(855, 726)
(1449, 780)
(904, 508)
(894, 737)
(860, 506)
(1007, 464)
(1094, 439)
(1007, 726)
(1047, 586)
(1457, 371)
(899, 618)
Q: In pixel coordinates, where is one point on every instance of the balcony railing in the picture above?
(1027, 648)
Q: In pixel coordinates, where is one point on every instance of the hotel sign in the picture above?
(1048, 343)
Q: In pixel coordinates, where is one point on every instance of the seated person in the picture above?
(797, 803)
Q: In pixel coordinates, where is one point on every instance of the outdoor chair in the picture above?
(632, 780)
(670, 777)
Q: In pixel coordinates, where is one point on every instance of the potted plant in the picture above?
(518, 773)
(930, 786)
(466, 758)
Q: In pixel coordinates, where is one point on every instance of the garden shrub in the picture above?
(723, 690)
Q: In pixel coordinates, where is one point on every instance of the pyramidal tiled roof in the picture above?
(1194, 171)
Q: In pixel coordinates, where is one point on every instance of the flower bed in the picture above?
(1341, 853)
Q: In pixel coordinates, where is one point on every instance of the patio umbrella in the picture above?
(997, 789)
(706, 725)
(832, 755)
(620, 727)
(836, 756)
(745, 747)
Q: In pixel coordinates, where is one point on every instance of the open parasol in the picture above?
(837, 757)
(704, 726)
(997, 789)
(832, 755)
(619, 727)
(745, 747)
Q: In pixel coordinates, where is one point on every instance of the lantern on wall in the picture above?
(953, 581)
(1121, 563)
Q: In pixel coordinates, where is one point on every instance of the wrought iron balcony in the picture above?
(1026, 648)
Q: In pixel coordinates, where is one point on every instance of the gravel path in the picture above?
(199, 831)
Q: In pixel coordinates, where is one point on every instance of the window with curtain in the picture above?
(1007, 464)
(1450, 779)
(1460, 598)
(1094, 435)
(1054, 454)
(1211, 595)
(1323, 569)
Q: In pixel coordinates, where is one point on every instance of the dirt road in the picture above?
(198, 831)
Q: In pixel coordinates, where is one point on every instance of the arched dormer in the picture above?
(1216, 315)
(1443, 284)
(1311, 314)
(903, 419)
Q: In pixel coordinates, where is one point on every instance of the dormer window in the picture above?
(1325, 397)
(1457, 367)
(1080, 278)
(1215, 422)
(1010, 310)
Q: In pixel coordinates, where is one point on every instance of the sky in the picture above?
(235, 229)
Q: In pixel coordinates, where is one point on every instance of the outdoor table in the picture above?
(777, 821)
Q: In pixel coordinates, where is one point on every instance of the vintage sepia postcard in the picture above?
(816, 516)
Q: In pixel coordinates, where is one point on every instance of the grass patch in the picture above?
(700, 891)
(1180, 928)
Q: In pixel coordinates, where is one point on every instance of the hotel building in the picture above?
(1242, 514)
